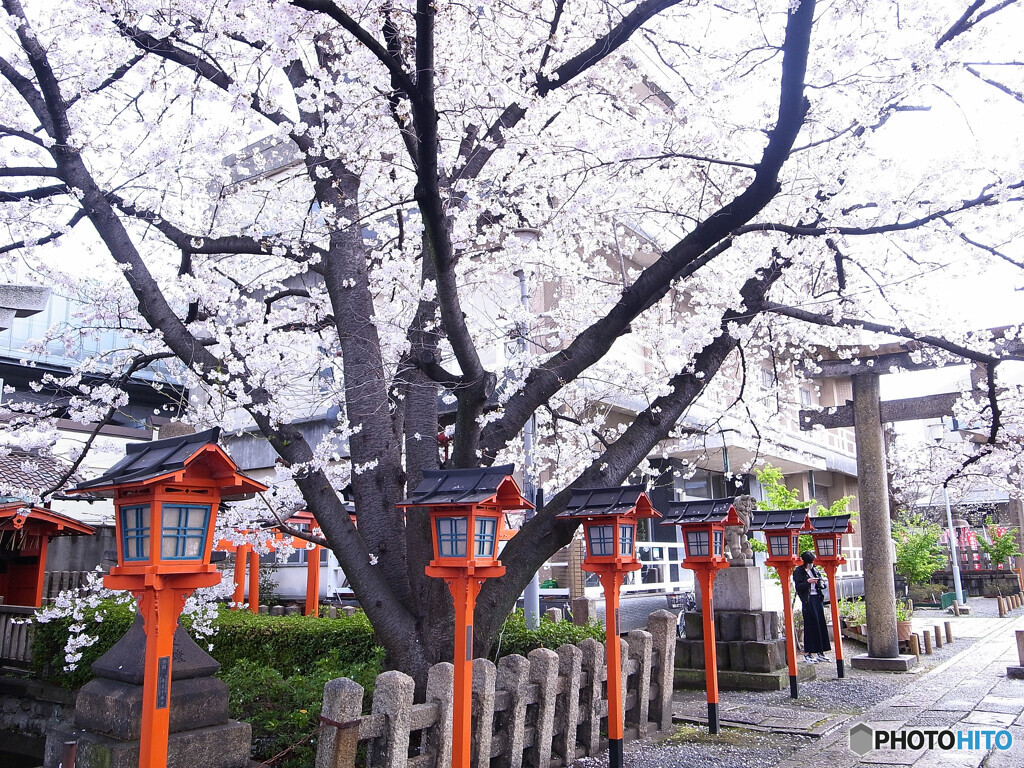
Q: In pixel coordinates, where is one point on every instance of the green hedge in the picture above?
(50, 638)
(289, 644)
(292, 644)
(516, 638)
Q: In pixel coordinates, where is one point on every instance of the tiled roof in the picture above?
(144, 461)
(698, 511)
(779, 519)
(459, 486)
(832, 524)
(608, 501)
(31, 472)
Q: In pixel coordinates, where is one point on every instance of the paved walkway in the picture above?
(967, 690)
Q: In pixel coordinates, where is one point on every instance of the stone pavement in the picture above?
(969, 691)
(964, 690)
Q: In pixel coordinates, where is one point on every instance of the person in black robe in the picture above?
(810, 588)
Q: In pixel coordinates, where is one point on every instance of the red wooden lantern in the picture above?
(166, 495)
(467, 511)
(703, 525)
(609, 517)
(828, 547)
(782, 529)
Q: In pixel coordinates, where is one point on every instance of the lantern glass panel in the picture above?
(484, 538)
(719, 543)
(451, 536)
(778, 545)
(795, 546)
(626, 532)
(601, 540)
(697, 543)
(184, 531)
(825, 546)
(839, 546)
(135, 532)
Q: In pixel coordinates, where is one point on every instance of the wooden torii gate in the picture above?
(867, 413)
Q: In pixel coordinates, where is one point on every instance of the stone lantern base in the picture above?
(108, 712)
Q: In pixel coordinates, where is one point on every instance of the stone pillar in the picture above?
(876, 532)
(343, 704)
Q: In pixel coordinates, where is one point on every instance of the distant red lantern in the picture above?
(828, 547)
(467, 511)
(703, 525)
(609, 517)
(782, 529)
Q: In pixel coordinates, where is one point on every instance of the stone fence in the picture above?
(536, 712)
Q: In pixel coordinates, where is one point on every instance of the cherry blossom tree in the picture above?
(294, 205)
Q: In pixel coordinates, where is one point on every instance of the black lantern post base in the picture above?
(792, 686)
(840, 669)
(614, 753)
(713, 726)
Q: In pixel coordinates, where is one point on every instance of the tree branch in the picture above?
(985, 199)
(77, 217)
(349, 24)
(40, 193)
(851, 322)
(710, 237)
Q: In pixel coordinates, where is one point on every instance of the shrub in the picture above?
(1002, 544)
(106, 622)
(853, 611)
(516, 638)
(926, 593)
(291, 644)
(284, 710)
(918, 554)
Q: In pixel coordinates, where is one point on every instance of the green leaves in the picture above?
(918, 553)
(516, 638)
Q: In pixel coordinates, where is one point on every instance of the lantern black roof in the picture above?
(467, 486)
(618, 500)
(832, 524)
(144, 462)
(779, 519)
(698, 511)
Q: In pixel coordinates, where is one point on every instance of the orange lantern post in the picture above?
(703, 525)
(828, 549)
(166, 495)
(782, 528)
(467, 513)
(609, 517)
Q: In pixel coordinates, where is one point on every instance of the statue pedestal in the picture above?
(736, 589)
(749, 643)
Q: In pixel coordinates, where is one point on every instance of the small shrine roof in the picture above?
(832, 524)
(159, 458)
(619, 500)
(779, 519)
(700, 511)
(468, 486)
(45, 521)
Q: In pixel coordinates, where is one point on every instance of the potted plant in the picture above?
(903, 625)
